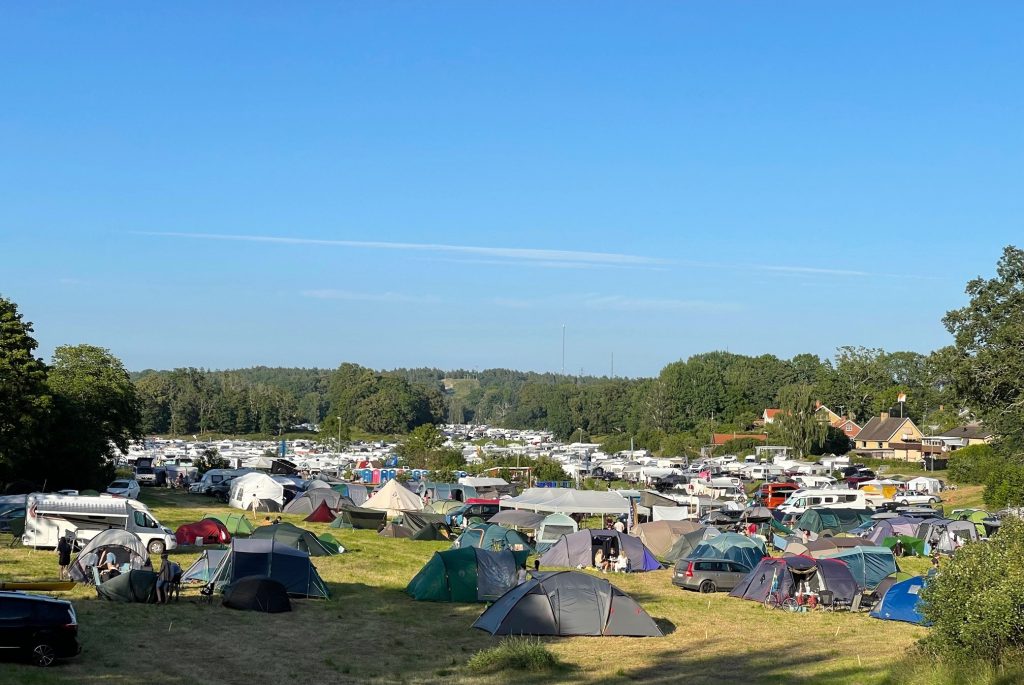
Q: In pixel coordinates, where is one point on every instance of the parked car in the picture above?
(124, 488)
(915, 497)
(459, 515)
(708, 575)
(41, 628)
(146, 475)
(221, 491)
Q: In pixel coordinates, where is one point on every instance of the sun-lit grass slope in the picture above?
(370, 631)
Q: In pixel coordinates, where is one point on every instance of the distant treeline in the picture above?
(707, 392)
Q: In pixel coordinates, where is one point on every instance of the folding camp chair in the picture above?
(826, 600)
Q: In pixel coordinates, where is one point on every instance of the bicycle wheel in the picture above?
(771, 601)
(790, 605)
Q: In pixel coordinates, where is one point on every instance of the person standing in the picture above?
(64, 555)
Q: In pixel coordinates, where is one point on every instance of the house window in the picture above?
(879, 445)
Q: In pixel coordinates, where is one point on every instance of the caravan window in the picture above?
(814, 500)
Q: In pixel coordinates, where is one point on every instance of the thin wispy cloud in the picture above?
(616, 303)
(389, 298)
(535, 255)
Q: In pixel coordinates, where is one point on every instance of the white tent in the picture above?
(394, 499)
(568, 501)
(922, 483)
(483, 482)
(254, 486)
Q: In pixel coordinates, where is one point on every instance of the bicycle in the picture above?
(776, 600)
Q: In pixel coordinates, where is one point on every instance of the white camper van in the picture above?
(802, 500)
(48, 517)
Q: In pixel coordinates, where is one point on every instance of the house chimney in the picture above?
(885, 415)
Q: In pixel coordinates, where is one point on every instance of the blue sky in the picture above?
(448, 184)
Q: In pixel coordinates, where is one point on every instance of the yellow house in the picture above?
(890, 437)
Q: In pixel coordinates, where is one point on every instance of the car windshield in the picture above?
(119, 484)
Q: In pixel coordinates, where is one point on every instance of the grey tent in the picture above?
(567, 603)
(354, 491)
(133, 586)
(126, 546)
(265, 557)
(580, 548)
(517, 518)
(687, 542)
(307, 502)
(203, 568)
(660, 536)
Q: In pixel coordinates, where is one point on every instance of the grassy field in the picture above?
(370, 631)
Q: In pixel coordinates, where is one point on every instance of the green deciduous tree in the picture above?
(797, 423)
(24, 397)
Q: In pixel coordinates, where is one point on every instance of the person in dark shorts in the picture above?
(64, 555)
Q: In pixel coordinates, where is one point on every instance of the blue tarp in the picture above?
(901, 602)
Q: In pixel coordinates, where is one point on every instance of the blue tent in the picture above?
(869, 565)
(901, 602)
(731, 546)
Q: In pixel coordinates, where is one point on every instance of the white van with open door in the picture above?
(48, 517)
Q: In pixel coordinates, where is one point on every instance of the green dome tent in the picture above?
(237, 524)
(465, 575)
(492, 536)
(294, 537)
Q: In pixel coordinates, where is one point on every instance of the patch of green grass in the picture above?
(516, 653)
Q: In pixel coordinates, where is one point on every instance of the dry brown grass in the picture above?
(371, 632)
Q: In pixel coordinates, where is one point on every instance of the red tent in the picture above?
(322, 514)
(211, 531)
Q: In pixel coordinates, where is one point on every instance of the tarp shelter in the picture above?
(203, 568)
(685, 544)
(659, 536)
(293, 536)
(869, 565)
(467, 574)
(912, 547)
(418, 525)
(133, 586)
(579, 549)
(126, 546)
(515, 518)
(568, 501)
(237, 524)
(255, 488)
(902, 602)
(287, 565)
(733, 547)
(310, 501)
(676, 513)
(492, 536)
(359, 518)
(322, 514)
(791, 575)
(834, 520)
(567, 603)
(354, 491)
(553, 527)
(257, 593)
(207, 532)
(393, 499)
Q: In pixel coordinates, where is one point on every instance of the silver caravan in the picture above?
(48, 517)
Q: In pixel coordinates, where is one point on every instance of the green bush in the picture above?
(972, 464)
(516, 653)
(976, 602)
(1004, 486)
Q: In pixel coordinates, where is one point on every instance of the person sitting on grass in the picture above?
(622, 563)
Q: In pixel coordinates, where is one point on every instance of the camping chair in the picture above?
(826, 600)
(206, 594)
(17, 530)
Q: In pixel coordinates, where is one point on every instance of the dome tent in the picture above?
(567, 603)
(209, 531)
(126, 546)
(257, 593)
(733, 547)
(310, 501)
(492, 536)
(393, 498)
(294, 537)
(465, 575)
(579, 548)
(289, 566)
(236, 524)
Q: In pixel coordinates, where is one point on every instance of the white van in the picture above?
(817, 482)
(214, 477)
(48, 517)
(802, 500)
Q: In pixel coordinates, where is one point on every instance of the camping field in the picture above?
(370, 631)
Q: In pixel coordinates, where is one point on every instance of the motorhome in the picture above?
(48, 517)
(802, 500)
(818, 482)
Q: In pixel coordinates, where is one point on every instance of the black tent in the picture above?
(351, 516)
(567, 603)
(257, 593)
